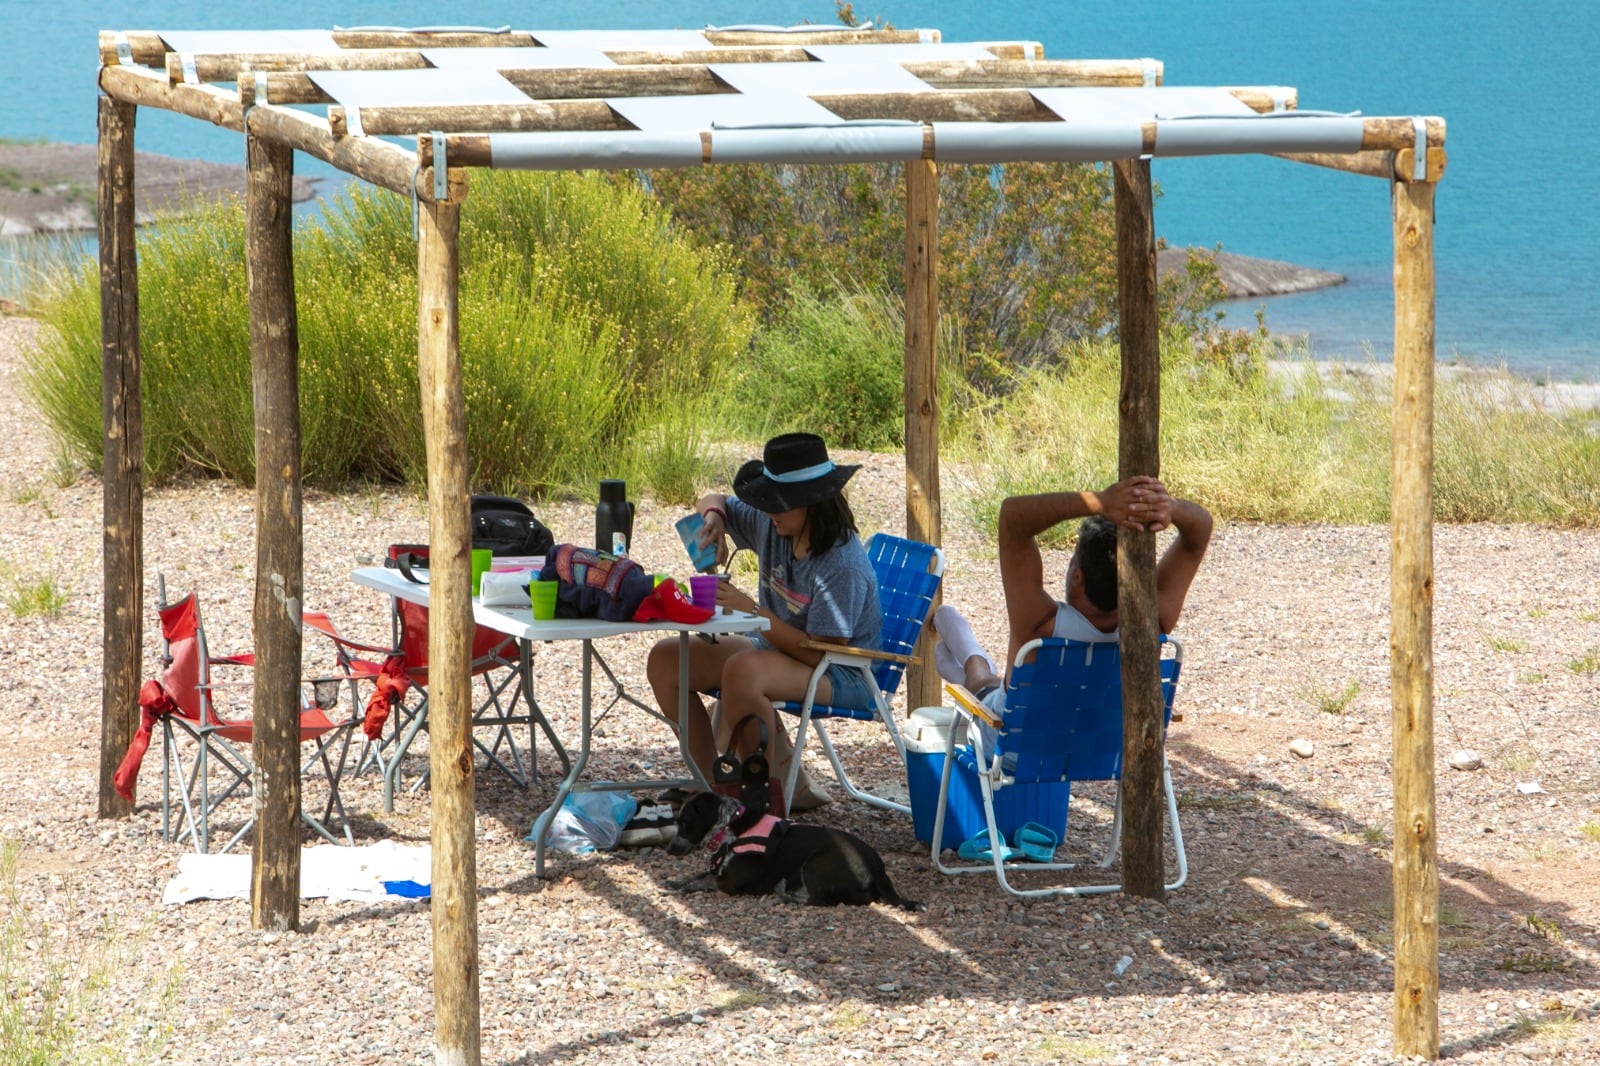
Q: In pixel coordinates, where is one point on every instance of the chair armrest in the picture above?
(968, 705)
(864, 653)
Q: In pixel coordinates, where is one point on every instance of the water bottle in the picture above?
(613, 518)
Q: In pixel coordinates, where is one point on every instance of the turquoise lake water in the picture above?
(1518, 266)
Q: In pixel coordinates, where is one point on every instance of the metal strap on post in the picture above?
(1419, 162)
(1149, 66)
(124, 49)
(190, 75)
(352, 121)
(441, 170)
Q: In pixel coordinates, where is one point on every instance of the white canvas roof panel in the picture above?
(1139, 104)
(660, 113)
(416, 88)
(808, 78)
(590, 149)
(1055, 142)
(511, 58)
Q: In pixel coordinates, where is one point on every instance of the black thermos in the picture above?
(613, 518)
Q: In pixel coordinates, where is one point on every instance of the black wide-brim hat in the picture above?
(794, 471)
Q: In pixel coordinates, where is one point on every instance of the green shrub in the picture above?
(1027, 250)
(585, 323)
(835, 365)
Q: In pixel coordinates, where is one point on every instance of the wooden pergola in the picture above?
(563, 100)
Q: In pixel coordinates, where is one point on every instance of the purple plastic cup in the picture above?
(703, 591)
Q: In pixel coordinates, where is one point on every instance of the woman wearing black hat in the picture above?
(815, 583)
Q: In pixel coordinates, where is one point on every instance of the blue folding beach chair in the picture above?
(1062, 723)
(908, 574)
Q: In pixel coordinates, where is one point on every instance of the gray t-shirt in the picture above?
(834, 594)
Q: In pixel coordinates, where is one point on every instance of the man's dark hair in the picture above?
(1097, 559)
(830, 521)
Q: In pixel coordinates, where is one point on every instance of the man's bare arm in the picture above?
(1030, 608)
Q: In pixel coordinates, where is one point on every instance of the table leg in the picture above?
(536, 713)
(683, 712)
(541, 824)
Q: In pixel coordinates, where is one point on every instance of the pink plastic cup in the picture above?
(703, 591)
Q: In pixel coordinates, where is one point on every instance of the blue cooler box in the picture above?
(925, 735)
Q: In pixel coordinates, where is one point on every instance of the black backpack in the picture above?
(506, 526)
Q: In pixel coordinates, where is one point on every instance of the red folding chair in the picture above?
(206, 755)
(503, 706)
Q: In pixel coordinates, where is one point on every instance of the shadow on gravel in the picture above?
(1285, 895)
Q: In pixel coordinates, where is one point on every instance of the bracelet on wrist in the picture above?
(714, 509)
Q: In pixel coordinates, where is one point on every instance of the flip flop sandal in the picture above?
(1036, 842)
(978, 849)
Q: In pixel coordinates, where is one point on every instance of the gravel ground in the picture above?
(1277, 950)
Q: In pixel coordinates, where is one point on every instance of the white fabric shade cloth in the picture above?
(777, 112)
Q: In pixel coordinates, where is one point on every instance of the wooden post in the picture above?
(455, 876)
(122, 480)
(922, 394)
(280, 575)
(1416, 859)
(1138, 452)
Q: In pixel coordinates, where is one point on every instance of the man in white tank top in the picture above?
(1089, 612)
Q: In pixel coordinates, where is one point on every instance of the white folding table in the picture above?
(519, 622)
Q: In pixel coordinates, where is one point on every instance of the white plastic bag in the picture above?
(590, 821)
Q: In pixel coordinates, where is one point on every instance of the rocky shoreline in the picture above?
(50, 188)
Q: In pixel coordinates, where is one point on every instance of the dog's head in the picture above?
(701, 819)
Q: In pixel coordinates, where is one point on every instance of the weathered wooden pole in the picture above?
(122, 479)
(922, 394)
(280, 575)
(1416, 858)
(455, 875)
(1138, 452)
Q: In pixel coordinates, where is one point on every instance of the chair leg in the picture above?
(1177, 829)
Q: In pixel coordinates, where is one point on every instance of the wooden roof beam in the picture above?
(226, 66)
(383, 164)
(1393, 164)
(146, 48)
(150, 88)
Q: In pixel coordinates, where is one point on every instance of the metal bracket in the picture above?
(1419, 162)
(190, 76)
(1149, 71)
(124, 49)
(441, 170)
(352, 121)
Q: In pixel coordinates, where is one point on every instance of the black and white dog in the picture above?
(754, 856)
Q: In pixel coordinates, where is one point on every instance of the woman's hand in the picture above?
(714, 531)
(734, 598)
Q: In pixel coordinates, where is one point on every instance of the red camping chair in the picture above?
(495, 661)
(219, 764)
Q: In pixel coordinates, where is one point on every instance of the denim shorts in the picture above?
(850, 689)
